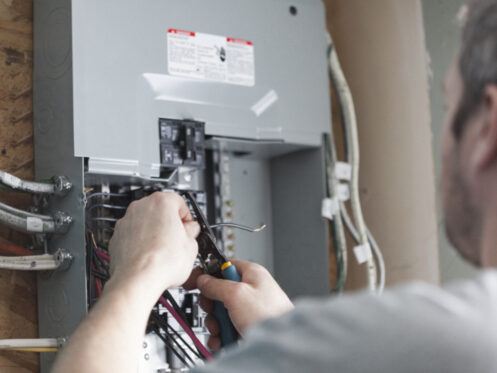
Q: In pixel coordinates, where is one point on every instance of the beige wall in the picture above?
(382, 49)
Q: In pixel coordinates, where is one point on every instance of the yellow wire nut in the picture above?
(226, 265)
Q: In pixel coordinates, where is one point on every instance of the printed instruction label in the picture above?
(210, 57)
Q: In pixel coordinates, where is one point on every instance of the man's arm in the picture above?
(153, 248)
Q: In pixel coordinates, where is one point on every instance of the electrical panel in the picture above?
(225, 99)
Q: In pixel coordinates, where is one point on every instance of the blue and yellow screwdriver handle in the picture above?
(229, 335)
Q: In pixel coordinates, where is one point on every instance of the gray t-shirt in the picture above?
(414, 328)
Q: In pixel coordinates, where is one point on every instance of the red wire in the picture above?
(103, 255)
(9, 248)
(204, 351)
(98, 287)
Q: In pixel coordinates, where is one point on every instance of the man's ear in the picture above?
(486, 148)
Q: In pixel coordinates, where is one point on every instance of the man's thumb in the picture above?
(215, 288)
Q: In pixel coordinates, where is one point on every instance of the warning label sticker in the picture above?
(210, 57)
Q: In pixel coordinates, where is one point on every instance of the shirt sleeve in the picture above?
(418, 328)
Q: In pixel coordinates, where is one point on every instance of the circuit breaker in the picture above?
(226, 99)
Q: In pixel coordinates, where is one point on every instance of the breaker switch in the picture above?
(182, 143)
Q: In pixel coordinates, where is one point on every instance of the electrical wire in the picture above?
(351, 134)
(15, 183)
(108, 220)
(172, 347)
(18, 220)
(44, 262)
(173, 331)
(38, 350)
(107, 206)
(16, 344)
(9, 248)
(175, 336)
(374, 245)
(340, 242)
(104, 194)
(176, 306)
(165, 325)
(167, 294)
(202, 349)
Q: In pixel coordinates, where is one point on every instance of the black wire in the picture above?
(175, 305)
(171, 346)
(178, 309)
(175, 332)
(163, 323)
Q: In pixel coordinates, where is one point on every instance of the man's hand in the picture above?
(154, 244)
(258, 297)
(153, 248)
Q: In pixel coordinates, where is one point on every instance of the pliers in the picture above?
(215, 263)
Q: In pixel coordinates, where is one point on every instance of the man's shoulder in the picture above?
(424, 312)
(415, 327)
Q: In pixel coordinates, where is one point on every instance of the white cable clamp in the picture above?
(329, 208)
(363, 253)
(34, 224)
(343, 171)
(343, 192)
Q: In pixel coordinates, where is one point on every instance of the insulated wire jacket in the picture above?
(45, 262)
(19, 344)
(18, 220)
(10, 248)
(340, 241)
(372, 241)
(350, 121)
(15, 183)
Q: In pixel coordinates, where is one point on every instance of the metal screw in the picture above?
(147, 356)
(145, 345)
(62, 185)
(62, 222)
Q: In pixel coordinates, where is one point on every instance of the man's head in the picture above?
(469, 178)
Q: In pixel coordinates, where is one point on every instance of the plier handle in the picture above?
(215, 263)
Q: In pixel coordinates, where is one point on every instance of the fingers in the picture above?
(214, 343)
(171, 201)
(252, 273)
(212, 326)
(217, 289)
(192, 228)
(191, 283)
(206, 304)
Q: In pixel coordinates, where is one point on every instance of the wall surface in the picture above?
(442, 39)
(382, 49)
(18, 314)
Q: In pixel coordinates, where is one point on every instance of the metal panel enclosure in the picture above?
(121, 84)
(101, 82)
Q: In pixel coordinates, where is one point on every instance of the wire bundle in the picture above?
(356, 225)
(159, 322)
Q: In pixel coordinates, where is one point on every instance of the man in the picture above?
(416, 328)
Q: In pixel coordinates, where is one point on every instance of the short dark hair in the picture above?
(478, 58)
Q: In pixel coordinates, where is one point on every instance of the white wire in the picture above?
(350, 121)
(43, 262)
(340, 239)
(7, 344)
(374, 245)
(15, 183)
